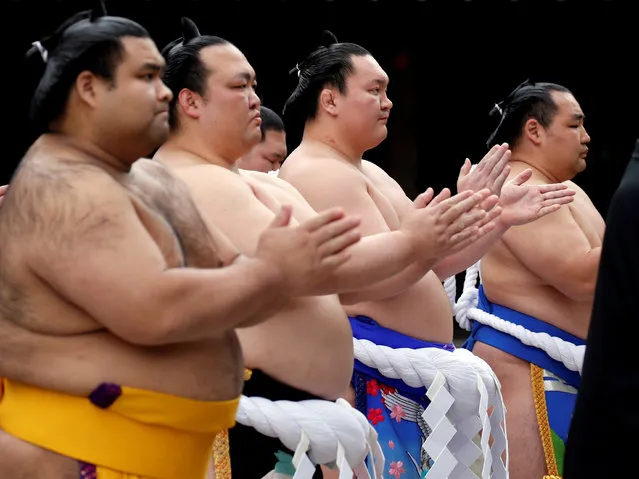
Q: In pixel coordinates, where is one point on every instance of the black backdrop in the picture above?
(448, 60)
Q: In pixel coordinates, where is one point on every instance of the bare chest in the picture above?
(172, 220)
(390, 202)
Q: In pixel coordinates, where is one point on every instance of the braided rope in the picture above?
(461, 388)
(328, 427)
(450, 286)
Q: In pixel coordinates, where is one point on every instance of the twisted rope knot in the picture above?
(325, 423)
(418, 368)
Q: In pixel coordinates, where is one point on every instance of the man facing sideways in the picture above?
(541, 277)
(341, 99)
(306, 351)
(117, 304)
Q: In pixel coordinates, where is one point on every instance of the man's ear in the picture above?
(328, 101)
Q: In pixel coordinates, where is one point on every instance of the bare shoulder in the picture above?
(581, 195)
(377, 174)
(372, 169)
(252, 175)
(271, 181)
(321, 172)
(574, 186)
(209, 176)
(213, 186)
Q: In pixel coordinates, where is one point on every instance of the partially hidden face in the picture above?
(268, 154)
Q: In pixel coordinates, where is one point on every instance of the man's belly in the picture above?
(422, 311)
(210, 370)
(308, 346)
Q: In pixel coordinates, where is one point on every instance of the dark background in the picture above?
(449, 61)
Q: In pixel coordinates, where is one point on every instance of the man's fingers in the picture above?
(548, 195)
(442, 196)
(498, 183)
(493, 163)
(335, 228)
(467, 220)
(339, 243)
(557, 201)
(3, 189)
(335, 261)
(423, 199)
(455, 207)
(501, 158)
(464, 238)
(489, 203)
(323, 218)
(488, 161)
(283, 217)
(547, 210)
(453, 200)
(465, 169)
(487, 228)
(491, 217)
(555, 187)
(522, 177)
(565, 194)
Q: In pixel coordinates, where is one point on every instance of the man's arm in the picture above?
(386, 261)
(556, 249)
(374, 257)
(520, 204)
(101, 258)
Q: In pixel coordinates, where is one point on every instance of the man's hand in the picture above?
(306, 254)
(3, 190)
(523, 204)
(443, 225)
(491, 172)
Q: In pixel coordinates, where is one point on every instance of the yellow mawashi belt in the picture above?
(142, 432)
(222, 449)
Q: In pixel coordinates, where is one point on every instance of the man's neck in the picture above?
(520, 162)
(332, 145)
(91, 151)
(184, 150)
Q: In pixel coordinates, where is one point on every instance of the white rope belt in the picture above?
(319, 431)
(461, 388)
(571, 355)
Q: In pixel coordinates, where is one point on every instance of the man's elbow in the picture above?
(580, 290)
(581, 279)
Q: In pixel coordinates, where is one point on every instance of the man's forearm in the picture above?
(376, 258)
(391, 286)
(204, 303)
